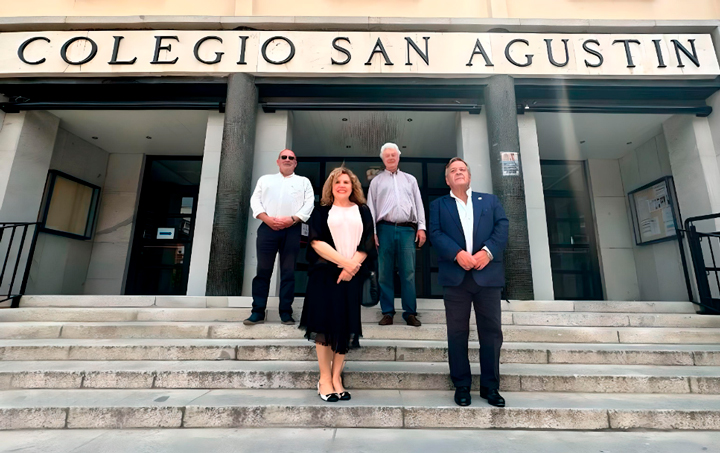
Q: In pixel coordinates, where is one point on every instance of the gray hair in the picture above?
(391, 146)
(452, 161)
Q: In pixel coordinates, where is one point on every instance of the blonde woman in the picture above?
(341, 243)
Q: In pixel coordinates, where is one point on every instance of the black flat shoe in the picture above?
(462, 396)
(492, 396)
(344, 396)
(330, 397)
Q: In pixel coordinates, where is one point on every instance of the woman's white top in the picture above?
(346, 228)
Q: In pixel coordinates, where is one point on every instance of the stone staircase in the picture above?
(169, 362)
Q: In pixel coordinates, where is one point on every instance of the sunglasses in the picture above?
(287, 157)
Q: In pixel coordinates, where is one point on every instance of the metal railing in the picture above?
(17, 246)
(705, 254)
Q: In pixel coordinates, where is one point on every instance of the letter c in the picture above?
(23, 46)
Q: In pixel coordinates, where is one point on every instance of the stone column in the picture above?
(472, 145)
(207, 198)
(503, 136)
(535, 202)
(227, 250)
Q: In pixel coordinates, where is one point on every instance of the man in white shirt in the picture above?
(395, 202)
(469, 231)
(282, 201)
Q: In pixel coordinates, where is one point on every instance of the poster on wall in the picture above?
(654, 212)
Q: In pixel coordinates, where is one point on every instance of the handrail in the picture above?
(703, 271)
(18, 254)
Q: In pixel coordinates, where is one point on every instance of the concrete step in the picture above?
(369, 315)
(124, 409)
(387, 375)
(371, 350)
(385, 440)
(423, 304)
(269, 330)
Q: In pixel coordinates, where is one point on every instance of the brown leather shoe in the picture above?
(386, 320)
(413, 321)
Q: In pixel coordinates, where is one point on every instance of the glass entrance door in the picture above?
(571, 231)
(430, 174)
(160, 259)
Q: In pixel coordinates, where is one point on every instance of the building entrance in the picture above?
(571, 231)
(160, 259)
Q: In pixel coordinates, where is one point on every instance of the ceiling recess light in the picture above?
(344, 119)
(148, 137)
(94, 138)
(409, 120)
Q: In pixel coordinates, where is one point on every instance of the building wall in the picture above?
(116, 219)
(60, 264)
(614, 233)
(658, 266)
(546, 9)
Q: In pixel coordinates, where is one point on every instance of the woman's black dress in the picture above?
(331, 312)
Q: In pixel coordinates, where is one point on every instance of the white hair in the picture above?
(389, 145)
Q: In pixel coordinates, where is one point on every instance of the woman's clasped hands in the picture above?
(349, 269)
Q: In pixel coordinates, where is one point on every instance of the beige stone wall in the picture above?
(536, 9)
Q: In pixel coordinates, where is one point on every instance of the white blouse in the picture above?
(346, 228)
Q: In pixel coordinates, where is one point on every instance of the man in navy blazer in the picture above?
(469, 231)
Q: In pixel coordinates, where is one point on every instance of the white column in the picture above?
(273, 133)
(27, 141)
(694, 164)
(115, 225)
(472, 146)
(614, 230)
(202, 236)
(535, 206)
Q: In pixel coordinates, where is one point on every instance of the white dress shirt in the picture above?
(467, 218)
(395, 197)
(283, 196)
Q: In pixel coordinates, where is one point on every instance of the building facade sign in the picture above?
(181, 52)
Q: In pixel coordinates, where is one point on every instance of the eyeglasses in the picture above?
(287, 157)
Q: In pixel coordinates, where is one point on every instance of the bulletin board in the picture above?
(654, 211)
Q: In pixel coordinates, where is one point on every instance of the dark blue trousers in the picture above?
(269, 243)
(488, 315)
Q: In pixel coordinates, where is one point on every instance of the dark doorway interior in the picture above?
(160, 259)
(571, 231)
(430, 174)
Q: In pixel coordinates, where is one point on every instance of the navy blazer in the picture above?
(447, 237)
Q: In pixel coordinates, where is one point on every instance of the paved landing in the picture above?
(354, 441)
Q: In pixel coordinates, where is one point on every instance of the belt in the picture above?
(412, 225)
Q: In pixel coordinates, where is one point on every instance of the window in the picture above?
(70, 206)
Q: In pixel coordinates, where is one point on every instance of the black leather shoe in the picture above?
(492, 396)
(255, 318)
(462, 396)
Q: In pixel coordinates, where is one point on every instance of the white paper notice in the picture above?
(668, 220)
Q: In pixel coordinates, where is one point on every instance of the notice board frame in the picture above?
(672, 205)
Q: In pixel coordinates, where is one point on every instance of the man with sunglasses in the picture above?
(282, 201)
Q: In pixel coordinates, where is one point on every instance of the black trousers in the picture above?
(488, 315)
(269, 243)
